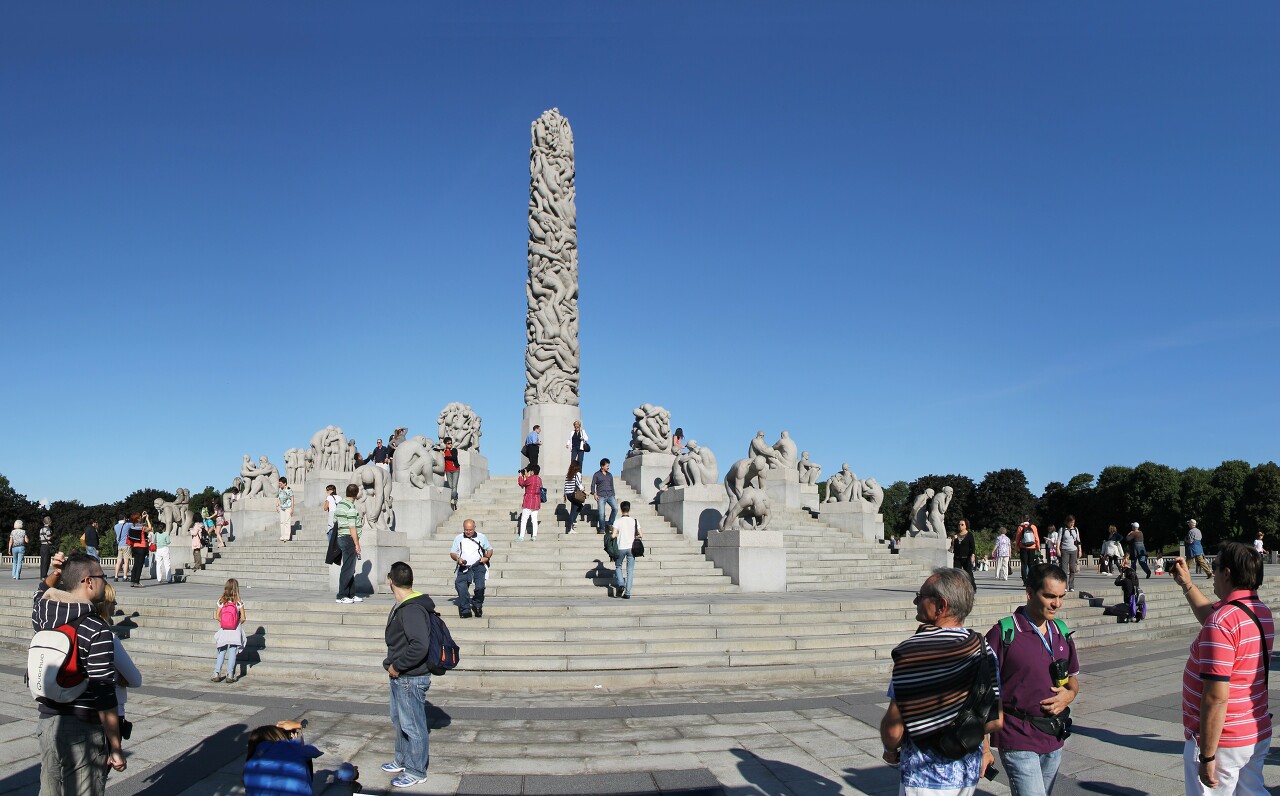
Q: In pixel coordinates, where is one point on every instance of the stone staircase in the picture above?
(534, 643)
(259, 560)
(560, 565)
(821, 558)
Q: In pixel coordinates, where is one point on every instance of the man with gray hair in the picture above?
(1195, 550)
(924, 730)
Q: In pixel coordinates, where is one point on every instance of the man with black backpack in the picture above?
(944, 694)
(79, 728)
(1038, 680)
(409, 665)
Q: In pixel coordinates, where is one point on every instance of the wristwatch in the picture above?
(1209, 759)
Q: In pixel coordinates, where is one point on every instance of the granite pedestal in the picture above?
(928, 550)
(783, 488)
(855, 518)
(755, 560)
(378, 551)
(696, 510)
(642, 470)
(809, 497)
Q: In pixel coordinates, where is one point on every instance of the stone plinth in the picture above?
(420, 511)
(755, 560)
(378, 551)
(312, 491)
(248, 517)
(809, 497)
(928, 550)
(855, 518)
(473, 470)
(642, 470)
(557, 425)
(696, 511)
(783, 488)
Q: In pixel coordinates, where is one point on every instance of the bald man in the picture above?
(471, 552)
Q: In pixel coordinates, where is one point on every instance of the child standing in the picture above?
(164, 565)
(197, 547)
(230, 636)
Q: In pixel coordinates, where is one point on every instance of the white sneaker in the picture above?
(357, 599)
(346, 600)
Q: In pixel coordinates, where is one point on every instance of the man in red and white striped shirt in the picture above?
(1224, 686)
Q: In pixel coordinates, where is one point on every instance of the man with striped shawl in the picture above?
(933, 674)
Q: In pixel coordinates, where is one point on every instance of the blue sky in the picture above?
(922, 237)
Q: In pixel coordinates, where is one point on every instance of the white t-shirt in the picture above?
(626, 528)
(330, 506)
(1257, 545)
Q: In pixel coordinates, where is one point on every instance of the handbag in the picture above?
(637, 548)
(152, 547)
(586, 447)
(579, 496)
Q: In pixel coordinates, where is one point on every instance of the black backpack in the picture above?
(964, 735)
(443, 653)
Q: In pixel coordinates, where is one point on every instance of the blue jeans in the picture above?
(93, 551)
(409, 717)
(18, 552)
(575, 508)
(347, 575)
(1030, 774)
(229, 654)
(451, 478)
(463, 580)
(612, 502)
(629, 561)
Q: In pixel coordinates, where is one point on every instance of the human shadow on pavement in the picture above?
(197, 763)
(25, 781)
(1145, 741)
(775, 778)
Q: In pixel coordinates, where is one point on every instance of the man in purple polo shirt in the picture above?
(1033, 651)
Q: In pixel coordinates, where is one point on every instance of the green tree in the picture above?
(1154, 499)
(1002, 498)
(1197, 493)
(1053, 505)
(1109, 495)
(895, 508)
(1260, 502)
(961, 497)
(144, 500)
(16, 506)
(1221, 517)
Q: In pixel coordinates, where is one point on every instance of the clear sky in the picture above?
(922, 237)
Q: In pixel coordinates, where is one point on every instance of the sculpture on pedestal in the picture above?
(375, 490)
(920, 514)
(788, 453)
(744, 474)
(260, 480)
(327, 448)
(176, 514)
(551, 325)
(759, 447)
(348, 458)
(842, 487)
(873, 493)
(458, 422)
(808, 470)
(938, 511)
(415, 461)
(651, 430)
(753, 506)
(295, 464)
(694, 467)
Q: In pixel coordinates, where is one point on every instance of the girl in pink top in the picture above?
(532, 484)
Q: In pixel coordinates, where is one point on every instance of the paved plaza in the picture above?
(804, 738)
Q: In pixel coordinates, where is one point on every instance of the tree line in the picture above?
(1233, 501)
(71, 517)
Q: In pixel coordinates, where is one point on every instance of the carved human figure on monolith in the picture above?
(788, 453)
(460, 423)
(743, 474)
(873, 493)
(551, 352)
(650, 431)
(808, 470)
(840, 487)
(938, 511)
(920, 514)
(295, 464)
(416, 461)
(749, 511)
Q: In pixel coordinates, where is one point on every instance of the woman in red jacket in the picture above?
(532, 500)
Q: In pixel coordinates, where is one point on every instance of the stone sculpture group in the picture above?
(651, 430)
(929, 513)
(260, 481)
(458, 422)
(551, 351)
(331, 451)
(176, 514)
(696, 466)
